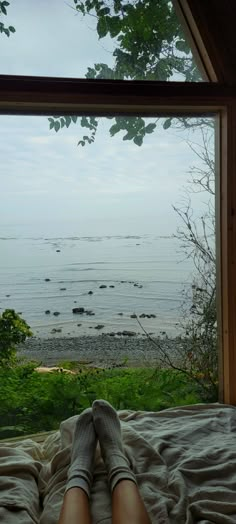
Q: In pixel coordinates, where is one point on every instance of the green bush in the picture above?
(13, 330)
(32, 402)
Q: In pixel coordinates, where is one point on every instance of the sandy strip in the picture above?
(100, 350)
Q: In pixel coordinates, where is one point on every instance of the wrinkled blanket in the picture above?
(184, 460)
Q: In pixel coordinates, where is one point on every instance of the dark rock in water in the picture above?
(112, 334)
(56, 330)
(62, 288)
(120, 314)
(47, 312)
(133, 315)
(147, 315)
(56, 313)
(90, 293)
(135, 285)
(75, 301)
(128, 333)
(8, 295)
(19, 312)
(79, 325)
(78, 310)
(89, 313)
(102, 286)
(111, 286)
(58, 250)
(99, 326)
(47, 280)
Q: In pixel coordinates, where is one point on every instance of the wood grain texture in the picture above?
(228, 253)
(215, 21)
(39, 95)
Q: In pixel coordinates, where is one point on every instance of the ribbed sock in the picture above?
(108, 429)
(80, 473)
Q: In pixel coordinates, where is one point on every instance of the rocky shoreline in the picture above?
(101, 350)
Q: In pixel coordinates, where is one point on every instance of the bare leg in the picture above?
(127, 504)
(75, 508)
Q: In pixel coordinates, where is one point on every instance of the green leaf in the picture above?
(182, 46)
(167, 123)
(150, 128)
(117, 5)
(84, 122)
(12, 29)
(114, 25)
(130, 135)
(74, 119)
(67, 121)
(56, 126)
(102, 28)
(138, 140)
(114, 129)
(104, 11)
(62, 122)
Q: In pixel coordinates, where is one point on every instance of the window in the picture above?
(108, 254)
(126, 40)
(96, 97)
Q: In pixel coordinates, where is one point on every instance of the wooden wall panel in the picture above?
(216, 20)
(228, 253)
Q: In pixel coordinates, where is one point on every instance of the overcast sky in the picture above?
(47, 181)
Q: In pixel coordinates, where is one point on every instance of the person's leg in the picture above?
(75, 508)
(127, 505)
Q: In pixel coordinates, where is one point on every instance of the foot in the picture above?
(80, 473)
(108, 429)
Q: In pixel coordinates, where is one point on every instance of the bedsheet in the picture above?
(184, 460)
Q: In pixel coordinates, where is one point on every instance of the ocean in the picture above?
(142, 275)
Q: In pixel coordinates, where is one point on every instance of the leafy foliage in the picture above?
(30, 402)
(3, 12)
(196, 353)
(148, 45)
(13, 330)
(149, 42)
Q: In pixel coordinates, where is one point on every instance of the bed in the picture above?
(184, 459)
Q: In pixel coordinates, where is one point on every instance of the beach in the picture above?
(102, 350)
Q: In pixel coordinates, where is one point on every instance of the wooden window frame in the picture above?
(54, 96)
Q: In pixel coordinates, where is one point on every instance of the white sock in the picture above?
(80, 473)
(108, 429)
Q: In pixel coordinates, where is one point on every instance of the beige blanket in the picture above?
(184, 460)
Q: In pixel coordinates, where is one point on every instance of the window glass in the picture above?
(108, 254)
(115, 39)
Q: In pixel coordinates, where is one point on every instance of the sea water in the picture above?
(147, 273)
